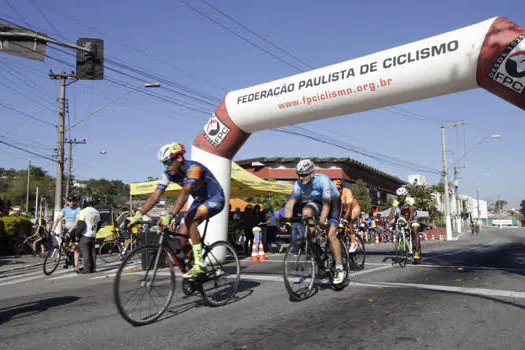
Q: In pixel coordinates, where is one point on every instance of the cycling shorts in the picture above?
(213, 204)
(335, 210)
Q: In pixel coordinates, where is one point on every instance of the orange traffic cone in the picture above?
(254, 257)
(262, 257)
(426, 236)
(377, 240)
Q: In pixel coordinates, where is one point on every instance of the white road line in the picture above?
(371, 270)
(440, 288)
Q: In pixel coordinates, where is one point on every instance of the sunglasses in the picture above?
(303, 175)
(168, 162)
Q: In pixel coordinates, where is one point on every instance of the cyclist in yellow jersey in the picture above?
(405, 206)
(351, 211)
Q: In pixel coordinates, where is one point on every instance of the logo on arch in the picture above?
(215, 131)
(509, 68)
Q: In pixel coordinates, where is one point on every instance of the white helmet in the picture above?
(170, 150)
(401, 191)
(305, 167)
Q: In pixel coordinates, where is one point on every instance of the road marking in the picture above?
(440, 288)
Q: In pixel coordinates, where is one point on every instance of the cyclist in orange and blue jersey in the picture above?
(351, 211)
(196, 180)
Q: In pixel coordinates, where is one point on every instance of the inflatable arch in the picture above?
(490, 54)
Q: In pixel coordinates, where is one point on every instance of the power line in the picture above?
(23, 150)
(28, 115)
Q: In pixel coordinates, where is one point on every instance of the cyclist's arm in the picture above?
(412, 212)
(151, 201)
(325, 210)
(182, 199)
(288, 209)
(392, 211)
(59, 217)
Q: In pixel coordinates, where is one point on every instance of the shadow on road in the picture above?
(29, 309)
(244, 290)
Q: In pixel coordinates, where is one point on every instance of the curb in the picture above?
(20, 268)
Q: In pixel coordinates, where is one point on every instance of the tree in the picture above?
(360, 192)
(522, 207)
(500, 204)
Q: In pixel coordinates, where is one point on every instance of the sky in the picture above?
(200, 52)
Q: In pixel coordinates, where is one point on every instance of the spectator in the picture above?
(86, 228)
(68, 215)
(271, 229)
(248, 226)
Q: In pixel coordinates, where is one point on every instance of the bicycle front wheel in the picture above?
(109, 251)
(357, 258)
(299, 270)
(143, 291)
(402, 251)
(223, 272)
(51, 261)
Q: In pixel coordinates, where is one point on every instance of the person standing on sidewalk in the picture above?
(86, 229)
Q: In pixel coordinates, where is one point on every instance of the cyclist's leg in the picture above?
(415, 235)
(197, 213)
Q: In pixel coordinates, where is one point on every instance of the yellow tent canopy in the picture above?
(243, 184)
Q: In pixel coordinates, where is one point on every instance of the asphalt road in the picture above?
(467, 294)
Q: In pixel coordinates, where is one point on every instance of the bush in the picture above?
(12, 226)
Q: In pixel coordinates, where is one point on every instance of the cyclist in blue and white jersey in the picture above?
(69, 214)
(320, 198)
(196, 180)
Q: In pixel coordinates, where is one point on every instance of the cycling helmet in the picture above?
(305, 167)
(401, 191)
(72, 198)
(170, 150)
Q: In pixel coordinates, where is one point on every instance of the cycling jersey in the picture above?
(91, 217)
(319, 188)
(70, 213)
(347, 197)
(404, 206)
(206, 189)
(313, 193)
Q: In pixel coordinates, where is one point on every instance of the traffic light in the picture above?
(90, 65)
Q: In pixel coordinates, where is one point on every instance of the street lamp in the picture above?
(62, 130)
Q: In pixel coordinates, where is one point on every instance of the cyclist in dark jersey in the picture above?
(406, 207)
(196, 180)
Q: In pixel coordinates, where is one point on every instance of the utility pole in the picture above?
(479, 212)
(457, 202)
(448, 222)
(70, 160)
(63, 77)
(27, 188)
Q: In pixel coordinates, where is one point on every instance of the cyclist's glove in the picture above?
(135, 219)
(166, 219)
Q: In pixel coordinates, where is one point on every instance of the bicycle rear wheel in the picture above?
(299, 270)
(18, 249)
(51, 261)
(109, 251)
(357, 258)
(142, 291)
(223, 272)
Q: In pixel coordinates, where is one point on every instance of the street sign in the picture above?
(90, 65)
(15, 40)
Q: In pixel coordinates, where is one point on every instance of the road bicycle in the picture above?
(110, 251)
(23, 245)
(358, 257)
(404, 244)
(308, 256)
(145, 281)
(62, 250)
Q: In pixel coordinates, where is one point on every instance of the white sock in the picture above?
(338, 266)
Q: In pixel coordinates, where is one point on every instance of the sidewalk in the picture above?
(10, 263)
